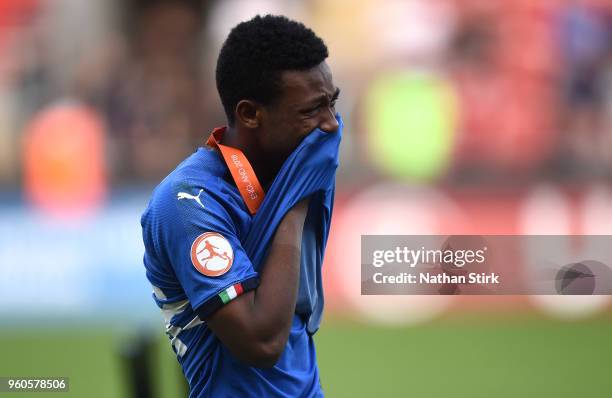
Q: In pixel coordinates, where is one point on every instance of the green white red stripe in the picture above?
(231, 293)
(220, 299)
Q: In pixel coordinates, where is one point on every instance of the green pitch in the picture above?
(476, 357)
(464, 357)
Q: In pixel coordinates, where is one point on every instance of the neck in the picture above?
(244, 141)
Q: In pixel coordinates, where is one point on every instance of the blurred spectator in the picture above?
(20, 77)
(150, 89)
(585, 32)
(63, 160)
(503, 65)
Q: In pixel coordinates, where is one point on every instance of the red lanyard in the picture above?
(244, 176)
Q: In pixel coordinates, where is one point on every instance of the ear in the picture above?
(248, 113)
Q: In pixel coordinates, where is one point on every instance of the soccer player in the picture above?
(237, 276)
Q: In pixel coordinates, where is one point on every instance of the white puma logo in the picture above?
(185, 195)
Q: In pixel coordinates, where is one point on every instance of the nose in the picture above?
(329, 123)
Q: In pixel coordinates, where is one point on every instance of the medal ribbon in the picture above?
(242, 172)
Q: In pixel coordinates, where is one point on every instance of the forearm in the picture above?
(273, 303)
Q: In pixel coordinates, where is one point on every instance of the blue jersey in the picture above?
(203, 249)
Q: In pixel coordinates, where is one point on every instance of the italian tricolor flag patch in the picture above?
(231, 293)
(220, 299)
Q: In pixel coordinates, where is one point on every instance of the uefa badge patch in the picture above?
(212, 254)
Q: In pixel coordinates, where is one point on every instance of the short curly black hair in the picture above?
(256, 52)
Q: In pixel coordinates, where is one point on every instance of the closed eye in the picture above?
(324, 102)
(312, 111)
(335, 96)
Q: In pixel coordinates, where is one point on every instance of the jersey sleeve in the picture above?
(205, 251)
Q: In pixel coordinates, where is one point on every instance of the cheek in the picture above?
(307, 127)
(290, 135)
(285, 135)
(276, 140)
(299, 132)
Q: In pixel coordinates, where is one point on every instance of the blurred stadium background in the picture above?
(462, 117)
